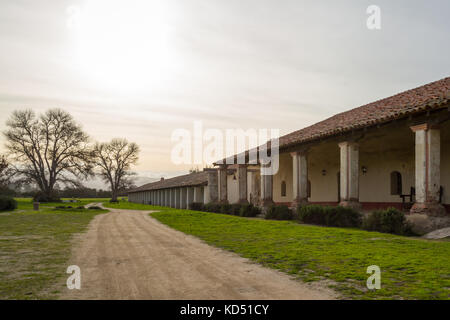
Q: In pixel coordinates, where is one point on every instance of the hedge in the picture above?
(343, 217)
(281, 212)
(7, 203)
(390, 220)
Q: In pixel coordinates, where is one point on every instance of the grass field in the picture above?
(410, 268)
(27, 203)
(35, 248)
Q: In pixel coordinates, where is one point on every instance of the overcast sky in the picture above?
(140, 69)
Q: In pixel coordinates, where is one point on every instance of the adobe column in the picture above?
(428, 170)
(242, 176)
(177, 198)
(167, 198)
(266, 186)
(222, 181)
(300, 178)
(189, 197)
(350, 175)
(198, 196)
(172, 198)
(212, 195)
(183, 198)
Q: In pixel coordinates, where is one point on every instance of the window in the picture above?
(283, 188)
(396, 183)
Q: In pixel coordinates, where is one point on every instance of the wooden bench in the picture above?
(412, 194)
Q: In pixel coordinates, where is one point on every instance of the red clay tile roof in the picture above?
(195, 179)
(431, 96)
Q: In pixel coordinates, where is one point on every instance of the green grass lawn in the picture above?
(35, 248)
(27, 203)
(410, 268)
(131, 206)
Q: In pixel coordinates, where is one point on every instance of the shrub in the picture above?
(343, 217)
(81, 207)
(279, 213)
(390, 220)
(94, 208)
(41, 197)
(235, 209)
(212, 207)
(249, 210)
(197, 206)
(313, 214)
(225, 209)
(7, 203)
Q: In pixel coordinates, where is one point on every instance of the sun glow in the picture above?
(123, 45)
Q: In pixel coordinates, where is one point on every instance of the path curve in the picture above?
(126, 254)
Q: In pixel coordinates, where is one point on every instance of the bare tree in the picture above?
(48, 149)
(115, 160)
(5, 172)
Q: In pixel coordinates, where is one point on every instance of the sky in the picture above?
(142, 69)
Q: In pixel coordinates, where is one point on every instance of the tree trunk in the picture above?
(114, 196)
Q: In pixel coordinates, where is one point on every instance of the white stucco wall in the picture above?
(232, 189)
(445, 161)
(284, 174)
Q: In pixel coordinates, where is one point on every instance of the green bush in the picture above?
(197, 206)
(313, 214)
(235, 209)
(343, 217)
(43, 198)
(212, 207)
(7, 203)
(225, 208)
(279, 213)
(390, 220)
(249, 210)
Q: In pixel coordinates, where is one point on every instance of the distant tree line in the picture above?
(51, 150)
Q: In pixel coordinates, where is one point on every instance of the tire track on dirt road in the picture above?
(126, 254)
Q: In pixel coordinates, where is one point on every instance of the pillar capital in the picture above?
(348, 143)
(300, 152)
(424, 127)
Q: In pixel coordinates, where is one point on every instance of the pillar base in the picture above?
(265, 204)
(351, 204)
(429, 208)
(297, 203)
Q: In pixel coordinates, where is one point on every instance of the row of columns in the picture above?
(427, 173)
(180, 198)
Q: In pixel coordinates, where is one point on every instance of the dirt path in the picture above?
(128, 255)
